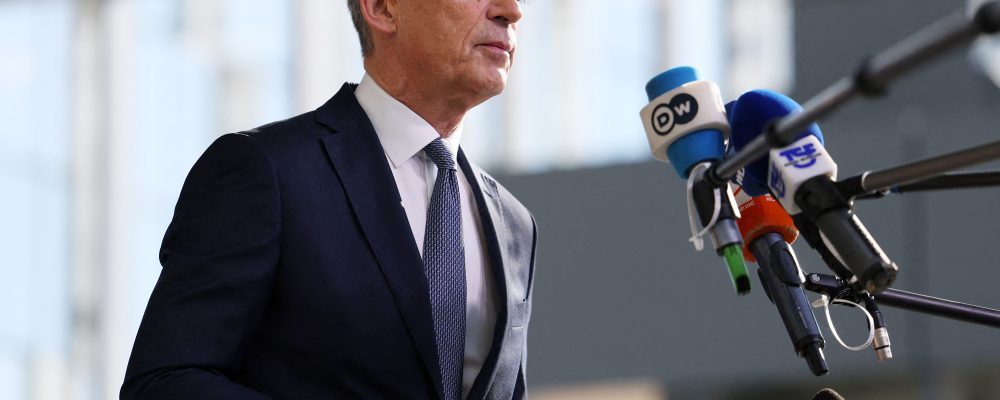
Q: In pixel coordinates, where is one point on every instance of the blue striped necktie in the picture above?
(444, 264)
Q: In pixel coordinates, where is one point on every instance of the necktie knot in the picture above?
(440, 154)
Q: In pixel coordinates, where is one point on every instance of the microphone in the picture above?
(686, 125)
(753, 113)
(768, 229)
(760, 215)
(801, 177)
(827, 394)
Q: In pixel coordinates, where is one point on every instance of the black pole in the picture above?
(956, 180)
(901, 175)
(939, 307)
(870, 182)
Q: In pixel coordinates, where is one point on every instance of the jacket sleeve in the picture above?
(219, 257)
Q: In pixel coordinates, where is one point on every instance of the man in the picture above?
(353, 251)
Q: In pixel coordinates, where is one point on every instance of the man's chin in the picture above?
(484, 85)
(494, 82)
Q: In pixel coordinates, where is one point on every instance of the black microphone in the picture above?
(801, 177)
(782, 280)
(686, 125)
(827, 394)
(767, 229)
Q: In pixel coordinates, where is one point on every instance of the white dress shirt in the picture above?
(403, 135)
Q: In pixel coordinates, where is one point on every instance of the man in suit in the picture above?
(353, 251)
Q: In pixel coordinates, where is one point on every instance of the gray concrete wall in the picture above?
(620, 293)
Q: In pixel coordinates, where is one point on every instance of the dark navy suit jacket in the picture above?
(290, 272)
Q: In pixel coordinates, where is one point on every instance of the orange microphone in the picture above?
(767, 232)
(760, 215)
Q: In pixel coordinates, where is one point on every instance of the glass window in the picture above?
(107, 104)
(35, 110)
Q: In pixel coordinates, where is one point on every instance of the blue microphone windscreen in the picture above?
(729, 118)
(750, 115)
(669, 80)
(729, 111)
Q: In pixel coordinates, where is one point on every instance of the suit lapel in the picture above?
(489, 206)
(359, 161)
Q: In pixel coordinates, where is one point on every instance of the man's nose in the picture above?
(506, 12)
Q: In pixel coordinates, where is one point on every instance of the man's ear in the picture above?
(381, 15)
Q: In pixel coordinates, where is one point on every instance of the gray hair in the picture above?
(364, 32)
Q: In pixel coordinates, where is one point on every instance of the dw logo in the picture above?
(777, 184)
(801, 157)
(680, 110)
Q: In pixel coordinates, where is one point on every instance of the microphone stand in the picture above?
(871, 79)
(835, 287)
(874, 184)
(920, 171)
(902, 179)
(954, 180)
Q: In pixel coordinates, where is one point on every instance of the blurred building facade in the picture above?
(620, 293)
(107, 103)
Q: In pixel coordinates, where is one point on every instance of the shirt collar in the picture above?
(401, 131)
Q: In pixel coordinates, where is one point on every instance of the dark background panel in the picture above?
(620, 293)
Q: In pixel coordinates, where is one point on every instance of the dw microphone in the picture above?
(686, 125)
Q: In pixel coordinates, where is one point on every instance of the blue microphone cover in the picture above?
(729, 118)
(669, 80)
(749, 116)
